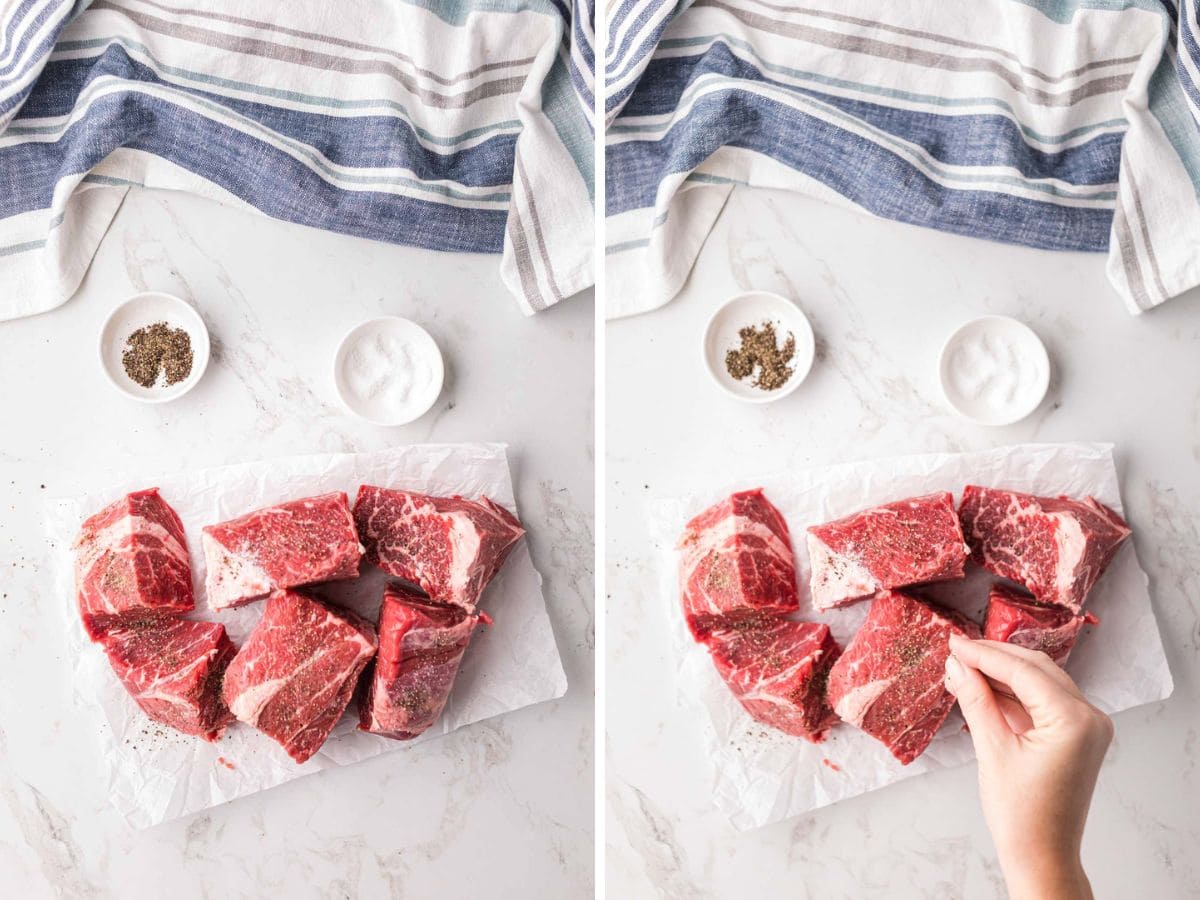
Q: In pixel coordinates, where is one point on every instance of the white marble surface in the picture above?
(882, 297)
(486, 811)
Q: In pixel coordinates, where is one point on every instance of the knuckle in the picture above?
(1102, 725)
(1092, 724)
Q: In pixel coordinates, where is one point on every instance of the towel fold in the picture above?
(459, 126)
(1059, 124)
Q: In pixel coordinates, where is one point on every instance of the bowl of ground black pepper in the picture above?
(758, 346)
(154, 347)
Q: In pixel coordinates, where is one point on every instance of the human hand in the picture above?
(1039, 744)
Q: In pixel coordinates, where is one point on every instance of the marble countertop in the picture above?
(882, 297)
(504, 803)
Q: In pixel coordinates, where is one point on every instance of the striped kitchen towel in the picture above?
(1061, 124)
(462, 125)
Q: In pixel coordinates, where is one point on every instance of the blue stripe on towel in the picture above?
(358, 141)
(264, 177)
(964, 139)
(860, 170)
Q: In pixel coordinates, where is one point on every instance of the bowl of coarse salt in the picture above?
(994, 370)
(389, 371)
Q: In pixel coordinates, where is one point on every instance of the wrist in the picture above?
(1045, 876)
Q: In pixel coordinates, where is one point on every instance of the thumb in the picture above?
(977, 701)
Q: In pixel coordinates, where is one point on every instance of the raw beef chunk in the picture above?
(1013, 618)
(449, 547)
(289, 545)
(778, 671)
(735, 561)
(889, 682)
(421, 643)
(892, 546)
(173, 668)
(1056, 547)
(296, 673)
(131, 564)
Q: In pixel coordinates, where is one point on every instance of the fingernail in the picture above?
(953, 671)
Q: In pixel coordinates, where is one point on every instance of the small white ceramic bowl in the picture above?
(754, 308)
(367, 387)
(146, 309)
(994, 370)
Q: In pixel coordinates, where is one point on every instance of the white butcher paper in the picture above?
(157, 774)
(761, 775)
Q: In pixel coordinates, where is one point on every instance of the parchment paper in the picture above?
(157, 774)
(761, 775)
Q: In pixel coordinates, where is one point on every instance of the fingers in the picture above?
(979, 704)
(1039, 685)
(1016, 714)
(1007, 657)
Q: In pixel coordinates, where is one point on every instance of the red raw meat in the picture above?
(1013, 618)
(892, 546)
(1056, 547)
(778, 670)
(131, 564)
(890, 680)
(285, 546)
(735, 561)
(296, 673)
(449, 547)
(421, 643)
(173, 668)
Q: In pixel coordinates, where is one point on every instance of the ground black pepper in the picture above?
(760, 350)
(155, 350)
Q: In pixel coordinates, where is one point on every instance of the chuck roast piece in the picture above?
(421, 643)
(778, 670)
(173, 668)
(293, 544)
(131, 564)
(890, 680)
(296, 673)
(1013, 618)
(448, 546)
(1056, 547)
(892, 546)
(735, 562)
